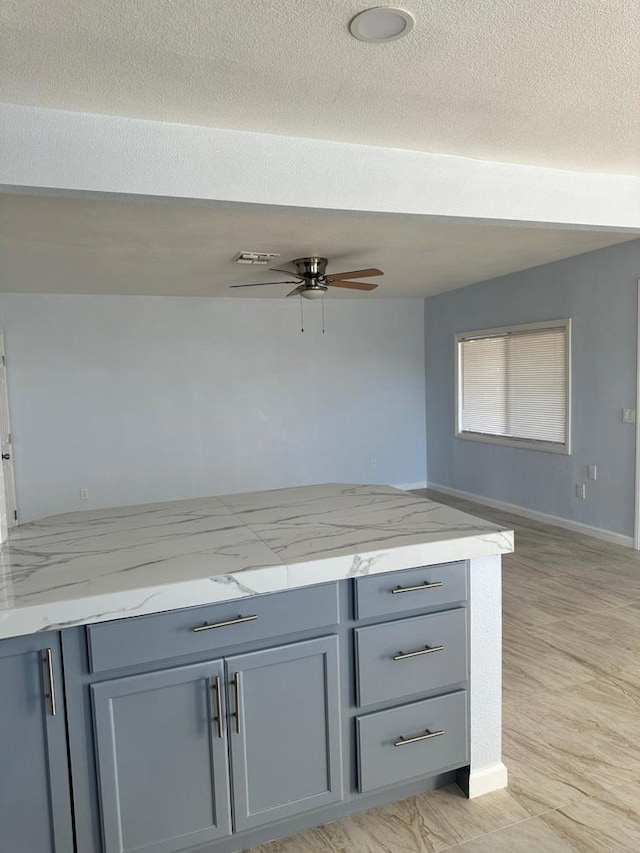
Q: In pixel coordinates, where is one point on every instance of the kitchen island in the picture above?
(237, 668)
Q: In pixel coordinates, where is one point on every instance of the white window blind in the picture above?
(514, 384)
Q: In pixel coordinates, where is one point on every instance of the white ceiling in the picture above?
(82, 245)
(545, 82)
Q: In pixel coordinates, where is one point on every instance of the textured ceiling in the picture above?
(545, 82)
(81, 245)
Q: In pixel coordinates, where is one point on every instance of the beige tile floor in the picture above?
(571, 716)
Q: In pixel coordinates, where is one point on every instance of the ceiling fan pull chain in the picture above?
(301, 315)
(323, 313)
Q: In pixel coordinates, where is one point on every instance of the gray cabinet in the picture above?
(219, 727)
(35, 810)
(163, 742)
(162, 759)
(285, 731)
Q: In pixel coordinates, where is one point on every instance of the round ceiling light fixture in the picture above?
(381, 23)
(314, 292)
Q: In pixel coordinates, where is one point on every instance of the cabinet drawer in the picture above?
(420, 739)
(413, 589)
(144, 639)
(398, 659)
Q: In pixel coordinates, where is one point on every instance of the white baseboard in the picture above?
(407, 487)
(576, 526)
(490, 779)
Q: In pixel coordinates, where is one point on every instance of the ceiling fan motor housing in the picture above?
(310, 268)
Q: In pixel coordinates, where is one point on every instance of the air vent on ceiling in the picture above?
(260, 258)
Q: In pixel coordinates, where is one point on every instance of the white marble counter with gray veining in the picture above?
(94, 566)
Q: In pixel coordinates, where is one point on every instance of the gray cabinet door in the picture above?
(162, 759)
(284, 731)
(35, 812)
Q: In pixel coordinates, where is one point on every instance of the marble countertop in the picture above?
(94, 566)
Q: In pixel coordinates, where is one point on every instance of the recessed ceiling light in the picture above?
(381, 24)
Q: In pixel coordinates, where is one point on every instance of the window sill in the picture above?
(523, 443)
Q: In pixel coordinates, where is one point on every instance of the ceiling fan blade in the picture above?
(297, 290)
(263, 283)
(354, 274)
(353, 285)
(288, 272)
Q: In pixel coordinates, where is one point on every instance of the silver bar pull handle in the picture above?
(217, 689)
(237, 690)
(403, 741)
(47, 659)
(210, 627)
(426, 651)
(425, 585)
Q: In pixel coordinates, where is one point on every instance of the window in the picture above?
(514, 385)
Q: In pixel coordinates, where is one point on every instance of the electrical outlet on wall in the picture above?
(84, 494)
(628, 416)
(581, 491)
(592, 471)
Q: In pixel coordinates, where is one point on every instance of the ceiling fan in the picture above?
(312, 280)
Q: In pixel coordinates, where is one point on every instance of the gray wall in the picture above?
(143, 399)
(598, 290)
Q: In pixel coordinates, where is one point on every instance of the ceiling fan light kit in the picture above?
(314, 292)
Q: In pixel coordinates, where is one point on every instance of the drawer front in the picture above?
(414, 740)
(144, 639)
(413, 589)
(399, 659)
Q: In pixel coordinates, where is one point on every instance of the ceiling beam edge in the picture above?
(53, 150)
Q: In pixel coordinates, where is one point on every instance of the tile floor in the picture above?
(571, 716)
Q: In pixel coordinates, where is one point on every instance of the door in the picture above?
(162, 759)
(8, 514)
(284, 731)
(35, 808)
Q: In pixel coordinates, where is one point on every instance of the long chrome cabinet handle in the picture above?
(403, 741)
(238, 621)
(47, 659)
(426, 651)
(425, 585)
(217, 689)
(237, 690)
